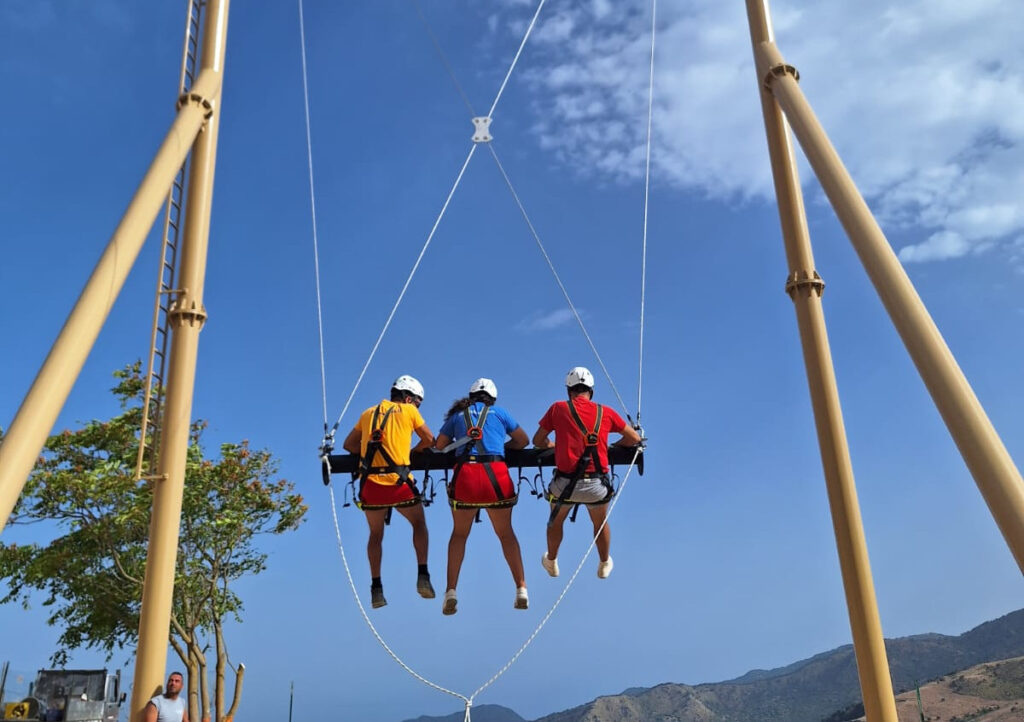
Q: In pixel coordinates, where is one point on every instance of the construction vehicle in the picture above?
(69, 695)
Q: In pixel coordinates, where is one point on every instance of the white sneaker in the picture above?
(450, 603)
(605, 568)
(522, 598)
(550, 565)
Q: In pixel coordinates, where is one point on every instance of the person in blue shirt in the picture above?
(480, 480)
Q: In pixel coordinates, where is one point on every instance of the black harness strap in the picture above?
(375, 447)
(591, 438)
(476, 453)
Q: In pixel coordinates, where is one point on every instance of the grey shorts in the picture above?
(587, 491)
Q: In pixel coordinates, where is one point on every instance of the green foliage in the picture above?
(91, 572)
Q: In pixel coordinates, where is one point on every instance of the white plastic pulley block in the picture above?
(483, 130)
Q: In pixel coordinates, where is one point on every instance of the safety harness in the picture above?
(591, 439)
(375, 446)
(476, 453)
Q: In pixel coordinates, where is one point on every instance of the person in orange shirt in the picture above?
(381, 438)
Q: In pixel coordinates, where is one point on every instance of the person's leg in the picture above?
(414, 514)
(374, 547)
(501, 520)
(555, 530)
(420, 539)
(598, 513)
(462, 524)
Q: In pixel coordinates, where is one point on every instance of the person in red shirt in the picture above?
(581, 463)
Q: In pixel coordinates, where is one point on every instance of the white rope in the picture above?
(586, 555)
(558, 280)
(312, 203)
(468, 701)
(647, 193)
(366, 617)
(405, 287)
(529, 29)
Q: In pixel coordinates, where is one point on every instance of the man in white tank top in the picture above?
(169, 706)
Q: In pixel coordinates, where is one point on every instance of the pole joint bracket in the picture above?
(798, 280)
(193, 97)
(779, 70)
(184, 310)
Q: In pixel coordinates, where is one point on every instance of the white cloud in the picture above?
(546, 320)
(924, 101)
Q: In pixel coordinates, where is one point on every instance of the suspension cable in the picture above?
(443, 57)
(529, 29)
(647, 194)
(312, 203)
(568, 300)
(405, 287)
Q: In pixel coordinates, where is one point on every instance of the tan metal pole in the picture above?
(987, 459)
(38, 412)
(186, 316)
(805, 287)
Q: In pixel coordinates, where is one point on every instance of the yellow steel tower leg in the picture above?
(186, 316)
(49, 391)
(805, 287)
(987, 459)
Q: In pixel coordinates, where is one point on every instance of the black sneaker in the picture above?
(377, 599)
(424, 587)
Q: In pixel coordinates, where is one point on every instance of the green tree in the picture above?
(90, 574)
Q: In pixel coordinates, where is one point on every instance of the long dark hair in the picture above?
(460, 405)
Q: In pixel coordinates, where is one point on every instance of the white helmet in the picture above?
(409, 385)
(579, 375)
(485, 385)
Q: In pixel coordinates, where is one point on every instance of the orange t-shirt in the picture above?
(398, 431)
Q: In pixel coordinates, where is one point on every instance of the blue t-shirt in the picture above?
(498, 424)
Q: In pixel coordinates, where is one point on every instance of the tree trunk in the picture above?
(194, 679)
(239, 676)
(221, 663)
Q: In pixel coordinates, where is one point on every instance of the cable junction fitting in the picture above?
(483, 130)
(804, 279)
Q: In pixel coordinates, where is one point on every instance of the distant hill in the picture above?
(483, 713)
(992, 692)
(811, 690)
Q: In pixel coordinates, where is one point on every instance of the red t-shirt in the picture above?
(569, 440)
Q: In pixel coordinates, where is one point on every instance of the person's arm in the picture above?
(629, 437)
(426, 438)
(150, 712)
(352, 444)
(442, 441)
(517, 439)
(541, 440)
(184, 714)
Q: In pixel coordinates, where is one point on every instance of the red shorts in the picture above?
(383, 496)
(473, 488)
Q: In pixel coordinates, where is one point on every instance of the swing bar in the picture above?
(519, 458)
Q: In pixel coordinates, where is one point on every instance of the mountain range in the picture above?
(811, 690)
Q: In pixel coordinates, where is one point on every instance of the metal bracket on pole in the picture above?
(190, 97)
(483, 130)
(182, 310)
(778, 71)
(804, 279)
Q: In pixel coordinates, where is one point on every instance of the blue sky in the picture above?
(724, 552)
